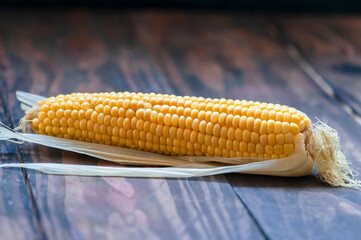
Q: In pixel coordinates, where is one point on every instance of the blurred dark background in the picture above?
(338, 6)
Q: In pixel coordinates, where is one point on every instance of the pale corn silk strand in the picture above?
(326, 157)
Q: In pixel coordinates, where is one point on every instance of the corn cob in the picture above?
(174, 125)
(203, 136)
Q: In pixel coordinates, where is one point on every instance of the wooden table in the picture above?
(310, 62)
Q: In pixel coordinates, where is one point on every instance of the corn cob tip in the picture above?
(29, 116)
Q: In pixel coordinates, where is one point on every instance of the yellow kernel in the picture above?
(186, 134)
(246, 135)
(51, 114)
(59, 113)
(307, 122)
(81, 114)
(121, 112)
(243, 147)
(255, 137)
(216, 130)
(107, 119)
(180, 133)
(160, 118)
(202, 115)
(74, 114)
(287, 117)
(229, 144)
(114, 112)
(44, 107)
(202, 126)
(130, 113)
(278, 127)
(237, 110)
(146, 126)
(264, 114)
(251, 148)
(289, 138)
(279, 116)
(294, 129)
(231, 133)
(243, 123)
(268, 149)
(167, 119)
(280, 139)
(47, 121)
(83, 124)
(172, 132)
(258, 113)
(218, 152)
(153, 116)
(126, 103)
(238, 134)
(250, 112)
(236, 120)
(302, 125)
(285, 127)
(209, 128)
(272, 115)
(222, 142)
(194, 113)
(63, 122)
(288, 149)
(222, 119)
(193, 137)
(229, 120)
(201, 138)
(257, 125)
(271, 126)
(175, 120)
(35, 123)
(224, 132)
(223, 108)
(259, 148)
(71, 131)
(158, 130)
(271, 139)
(172, 110)
(100, 118)
(263, 139)
(278, 149)
(214, 117)
(126, 124)
(208, 116)
(214, 141)
(54, 107)
(67, 113)
(103, 129)
(195, 125)
(296, 119)
(165, 131)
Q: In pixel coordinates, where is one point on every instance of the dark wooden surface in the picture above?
(203, 54)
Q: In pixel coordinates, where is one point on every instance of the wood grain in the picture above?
(63, 52)
(242, 61)
(332, 45)
(17, 216)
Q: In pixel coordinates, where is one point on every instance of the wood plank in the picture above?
(232, 56)
(63, 52)
(332, 45)
(17, 216)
